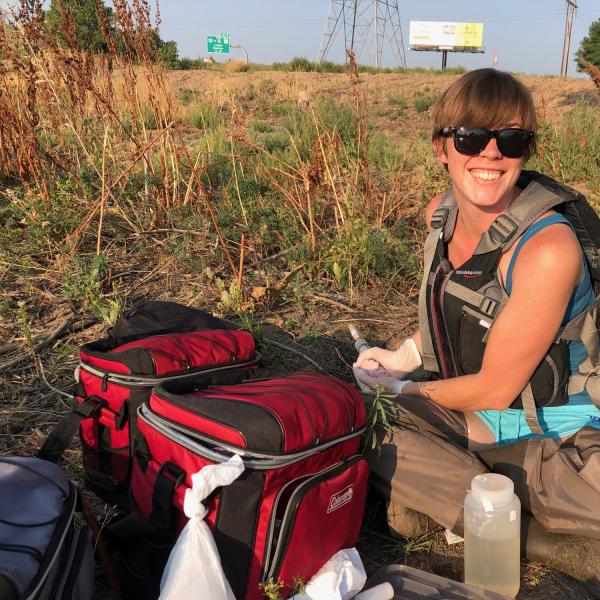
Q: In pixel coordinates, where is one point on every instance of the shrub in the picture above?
(236, 66)
(359, 252)
(202, 116)
(301, 64)
(423, 103)
(186, 96)
(260, 126)
(398, 101)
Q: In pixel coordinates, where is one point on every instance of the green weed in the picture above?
(84, 284)
(383, 153)
(186, 96)
(360, 253)
(272, 589)
(260, 126)
(380, 409)
(423, 103)
(571, 151)
(202, 116)
(398, 101)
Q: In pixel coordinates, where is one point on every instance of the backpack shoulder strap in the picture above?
(444, 216)
(540, 194)
(443, 222)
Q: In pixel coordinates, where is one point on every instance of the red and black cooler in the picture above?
(301, 497)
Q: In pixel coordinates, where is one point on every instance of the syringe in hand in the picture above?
(359, 343)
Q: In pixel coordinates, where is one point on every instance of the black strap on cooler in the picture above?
(60, 437)
(168, 479)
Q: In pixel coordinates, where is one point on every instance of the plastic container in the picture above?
(412, 584)
(492, 535)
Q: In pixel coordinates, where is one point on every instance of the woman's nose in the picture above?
(491, 150)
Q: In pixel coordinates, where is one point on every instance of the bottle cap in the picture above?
(492, 489)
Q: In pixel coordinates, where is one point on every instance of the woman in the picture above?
(504, 276)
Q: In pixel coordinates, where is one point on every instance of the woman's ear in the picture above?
(439, 145)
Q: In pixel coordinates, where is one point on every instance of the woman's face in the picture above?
(486, 180)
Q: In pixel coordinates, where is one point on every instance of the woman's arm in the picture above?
(545, 274)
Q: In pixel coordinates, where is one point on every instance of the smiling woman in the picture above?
(505, 295)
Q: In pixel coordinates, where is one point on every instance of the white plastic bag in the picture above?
(340, 578)
(194, 571)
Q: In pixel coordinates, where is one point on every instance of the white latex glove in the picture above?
(366, 379)
(398, 363)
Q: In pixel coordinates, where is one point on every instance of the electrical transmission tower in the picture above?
(564, 63)
(364, 24)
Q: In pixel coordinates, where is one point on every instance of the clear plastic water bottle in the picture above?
(492, 535)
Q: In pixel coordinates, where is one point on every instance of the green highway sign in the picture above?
(218, 43)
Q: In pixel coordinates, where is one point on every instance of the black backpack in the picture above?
(43, 554)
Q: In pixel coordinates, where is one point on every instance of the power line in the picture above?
(570, 15)
(364, 23)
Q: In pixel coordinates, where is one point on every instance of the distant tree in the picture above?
(76, 23)
(589, 50)
(168, 54)
(85, 29)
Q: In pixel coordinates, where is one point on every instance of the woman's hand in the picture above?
(372, 380)
(397, 363)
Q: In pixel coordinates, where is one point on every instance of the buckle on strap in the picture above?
(439, 217)
(176, 475)
(489, 306)
(90, 406)
(502, 228)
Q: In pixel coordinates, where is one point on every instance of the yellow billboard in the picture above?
(441, 34)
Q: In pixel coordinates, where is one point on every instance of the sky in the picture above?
(526, 35)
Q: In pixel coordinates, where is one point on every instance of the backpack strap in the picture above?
(443, 222)
(60, 437)
(584, 328)
(540, 195)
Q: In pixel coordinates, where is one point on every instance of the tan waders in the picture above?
(423, 467)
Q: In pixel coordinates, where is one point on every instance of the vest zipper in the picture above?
(443, 319)
(436, 301)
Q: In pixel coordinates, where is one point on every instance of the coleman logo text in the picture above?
(340, 498)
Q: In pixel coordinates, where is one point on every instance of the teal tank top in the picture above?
(583, 296)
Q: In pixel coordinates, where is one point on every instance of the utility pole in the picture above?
(566, 52)
(364, 24)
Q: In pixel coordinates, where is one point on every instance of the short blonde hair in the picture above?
(485, 98)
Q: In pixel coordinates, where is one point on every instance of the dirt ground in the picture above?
(317, 330)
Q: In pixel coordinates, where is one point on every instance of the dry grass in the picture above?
(236, 66)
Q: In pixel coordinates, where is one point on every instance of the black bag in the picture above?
(158, 317)
(155, 342)
(43, 555)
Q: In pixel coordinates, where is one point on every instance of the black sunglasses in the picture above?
(512, 141)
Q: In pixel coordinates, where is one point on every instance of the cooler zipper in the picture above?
(262, 461)
(273, 522)
(288, 520)
(124, 379)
